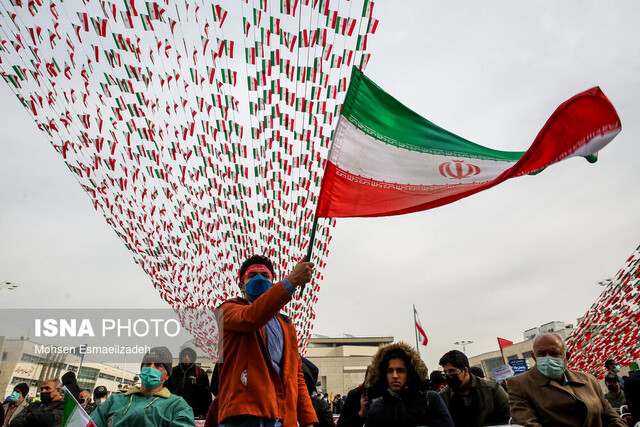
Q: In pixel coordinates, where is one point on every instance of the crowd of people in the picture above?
(263, 381)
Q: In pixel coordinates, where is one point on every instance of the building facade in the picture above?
(342, 362)
(21, 362)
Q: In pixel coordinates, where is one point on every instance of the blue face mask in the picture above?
(550, 367)
(150, 378)
(257, 286)
(15, 396)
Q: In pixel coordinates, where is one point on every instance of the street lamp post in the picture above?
(464, 344)
(10, 286)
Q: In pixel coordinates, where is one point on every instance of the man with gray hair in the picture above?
(552, 394)
(48, 411)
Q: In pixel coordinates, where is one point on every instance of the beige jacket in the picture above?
(19, 409)
(537, 401)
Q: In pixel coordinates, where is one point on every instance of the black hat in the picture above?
(100, 390)
(23, 388)
(160, 355)
(611, 377)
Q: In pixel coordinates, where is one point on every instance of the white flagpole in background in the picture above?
(415, 329)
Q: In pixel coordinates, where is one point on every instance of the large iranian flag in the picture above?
(388, 160)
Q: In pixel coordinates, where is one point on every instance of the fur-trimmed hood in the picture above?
(418, 371)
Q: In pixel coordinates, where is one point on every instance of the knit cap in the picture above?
(23, 388)
(160, 355)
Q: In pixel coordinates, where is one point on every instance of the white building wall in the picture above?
(21, 363)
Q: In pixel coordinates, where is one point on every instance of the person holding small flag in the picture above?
(48, 411)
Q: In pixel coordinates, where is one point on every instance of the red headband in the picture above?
(256, 267)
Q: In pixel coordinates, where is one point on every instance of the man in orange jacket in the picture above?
(261, 380)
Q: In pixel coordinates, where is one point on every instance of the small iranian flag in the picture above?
(423, 335)
(74, 414)
(387, 160)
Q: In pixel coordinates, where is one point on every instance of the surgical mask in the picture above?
(100, 401)
(613, 388)
(454, 381)
(550, 367)
(616, 368)
(150, 378)
(45, 397)
(15, 396)
(257, 286)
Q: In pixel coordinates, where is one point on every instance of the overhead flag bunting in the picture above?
(611, 327)
(198, 129)
(387, 160)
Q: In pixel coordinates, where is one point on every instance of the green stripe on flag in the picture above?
(384, 118)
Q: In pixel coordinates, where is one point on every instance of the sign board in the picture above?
(502, 372)
(27, 370)
(519, 366)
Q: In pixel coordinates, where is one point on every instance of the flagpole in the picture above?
(312, 238)
(415, 328)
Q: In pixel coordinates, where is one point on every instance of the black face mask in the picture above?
(454, 381)
(45, 397)
(81, 401)
(613, 388)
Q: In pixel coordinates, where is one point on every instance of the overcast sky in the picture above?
(514, 257)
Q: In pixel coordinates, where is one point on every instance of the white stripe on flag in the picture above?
(365, 156)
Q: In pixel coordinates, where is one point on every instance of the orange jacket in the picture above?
(249, 384)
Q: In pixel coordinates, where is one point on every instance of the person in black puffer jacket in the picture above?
(399, 375)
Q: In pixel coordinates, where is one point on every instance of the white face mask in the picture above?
(100, 401)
